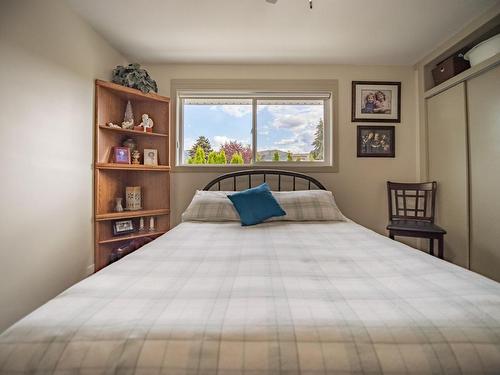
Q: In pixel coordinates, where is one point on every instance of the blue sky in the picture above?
(284, 127)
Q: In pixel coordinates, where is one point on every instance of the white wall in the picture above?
(359, 186)
(49, 59)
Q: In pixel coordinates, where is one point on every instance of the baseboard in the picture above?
(90, 270)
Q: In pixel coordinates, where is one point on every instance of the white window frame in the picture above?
(255, 96)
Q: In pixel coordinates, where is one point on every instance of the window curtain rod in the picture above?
(322, 95)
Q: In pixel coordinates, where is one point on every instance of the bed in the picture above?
(275, 298)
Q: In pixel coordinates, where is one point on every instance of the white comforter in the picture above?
(279, 297)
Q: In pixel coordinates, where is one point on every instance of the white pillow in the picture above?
(302, 205)
(211, 206)
(307, 205)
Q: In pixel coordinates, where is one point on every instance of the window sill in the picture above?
(231, 168)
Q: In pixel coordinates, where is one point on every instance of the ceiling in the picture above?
(387, 32)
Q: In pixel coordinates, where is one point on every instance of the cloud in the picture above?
(300, 121)
(286, 141)
(188, 143)
(263, 129)
(219, 140)
(314, 110)
(295, 118)
(291, 122)
(294, 145)
(298, 144)
(234, 110)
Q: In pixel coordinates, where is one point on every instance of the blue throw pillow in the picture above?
(256, 205)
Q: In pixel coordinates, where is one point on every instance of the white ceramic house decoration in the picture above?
(133, 198)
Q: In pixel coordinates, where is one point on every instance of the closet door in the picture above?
(483, 93)
(447, 145)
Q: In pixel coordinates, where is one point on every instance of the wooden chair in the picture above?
(411, 212)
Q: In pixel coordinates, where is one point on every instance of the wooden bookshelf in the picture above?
(111, 179)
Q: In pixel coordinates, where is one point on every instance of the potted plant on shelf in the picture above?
(135, 77)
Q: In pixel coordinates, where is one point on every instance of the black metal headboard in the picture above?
(264, 172)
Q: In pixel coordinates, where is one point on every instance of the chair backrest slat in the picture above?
(425, 202)
(411, 201)
(417, 199)
(405, 212)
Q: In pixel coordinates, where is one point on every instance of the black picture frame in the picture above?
(123, 227)
(377, 112)
(379, 134)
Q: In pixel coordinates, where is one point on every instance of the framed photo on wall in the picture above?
(376, 141)
(376, 101)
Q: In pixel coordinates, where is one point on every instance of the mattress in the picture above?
(290, 298)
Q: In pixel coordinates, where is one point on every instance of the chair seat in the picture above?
(415, 226)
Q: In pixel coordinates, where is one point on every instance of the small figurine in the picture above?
(151, 224)
(118, 205)
(136, 157)
(147, 123)
(128, 124)
(141, 224)
(111, 125)
(129, 115)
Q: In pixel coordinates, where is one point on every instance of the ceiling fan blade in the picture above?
(275, 1)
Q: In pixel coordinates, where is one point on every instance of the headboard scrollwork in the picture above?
(264, 172)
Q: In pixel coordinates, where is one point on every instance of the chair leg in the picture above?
(431, 246)
(441, 247)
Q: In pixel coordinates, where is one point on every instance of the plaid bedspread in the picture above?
(277, 298)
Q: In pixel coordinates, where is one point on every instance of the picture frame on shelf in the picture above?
(376, 141)
(121, 155)
(123, 227)
(376, 101)
(150, 156)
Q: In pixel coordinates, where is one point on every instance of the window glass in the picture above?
(217, 131)
(290, 130)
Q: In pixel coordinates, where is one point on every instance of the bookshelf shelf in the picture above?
(132, 236)
(131, 94)
(133, 167)
(131, 132)
(131, 214)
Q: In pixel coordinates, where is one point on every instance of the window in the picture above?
(254, 128)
